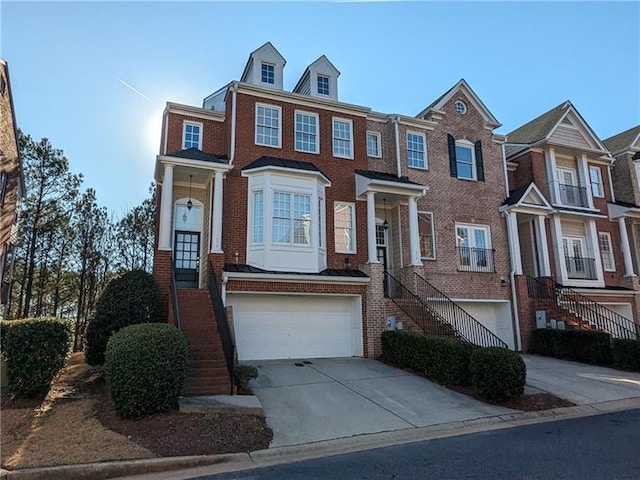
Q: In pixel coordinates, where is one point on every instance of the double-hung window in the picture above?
(427, 239)
(268, 74)
(291, 218)
(323, 85)
(342, 138)
(192, 135)
(606, 250)
(473, 246)
(258, 217)
(307, 132)
(465, 161)
(344, 223)
(373, 145)
(268, 131)
(595, 175)
(416, 150)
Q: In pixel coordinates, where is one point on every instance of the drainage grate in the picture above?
(298, 364)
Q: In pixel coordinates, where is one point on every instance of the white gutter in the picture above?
(504, 168)
(613, 196)
(223, 290)
(395, 121)
(512, 277)
(234, 92)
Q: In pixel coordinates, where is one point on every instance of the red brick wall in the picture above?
(214, 137)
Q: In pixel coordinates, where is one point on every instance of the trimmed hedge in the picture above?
(446, 360)
(145, 369)
(132, 298)
(586, 346)
(626, 354)
(498, 374)
(35, 350)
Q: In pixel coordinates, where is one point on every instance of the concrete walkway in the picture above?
(334, 398)
(582, 384)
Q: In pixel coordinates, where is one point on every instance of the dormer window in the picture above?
(323, 85)
(268, 74)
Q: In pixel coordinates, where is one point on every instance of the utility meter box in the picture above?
(541, 319)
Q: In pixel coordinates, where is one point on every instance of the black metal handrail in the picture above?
(428, 321)
(472, 259)
(573, 195)
(581, 268)
(453, 314)
(174, 296)
(594, 313)
(228, 345)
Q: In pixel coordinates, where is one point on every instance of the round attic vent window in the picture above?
(460, 107)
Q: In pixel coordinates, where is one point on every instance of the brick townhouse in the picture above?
(323, 222)
(12, 189)
(570, 249)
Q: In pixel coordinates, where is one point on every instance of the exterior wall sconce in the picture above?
(347, 263)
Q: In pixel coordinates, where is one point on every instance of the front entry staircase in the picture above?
(578, 311)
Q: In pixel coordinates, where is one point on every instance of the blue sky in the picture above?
(68, 62)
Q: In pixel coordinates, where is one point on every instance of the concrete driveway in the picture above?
(333, 398)
(582, 384)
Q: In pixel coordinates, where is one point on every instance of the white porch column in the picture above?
(166, 205)
(626, 251)
(543, 249)
(216, 234)
(414, 236)
(371, 227)
(514, 242)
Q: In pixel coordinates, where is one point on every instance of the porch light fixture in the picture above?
(190, 203)
(385, 224)
(347, 263)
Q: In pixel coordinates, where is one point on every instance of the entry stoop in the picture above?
(208, 374)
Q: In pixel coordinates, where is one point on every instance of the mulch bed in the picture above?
(9, 402)
(529, 402)
(176, 434)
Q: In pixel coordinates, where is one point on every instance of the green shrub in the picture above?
(446, 360)
(541, 342)
(243, 375)
(626, 354)
(498, 374)
(145, 368)
(35, 350)
(132, 298)
(586, 346)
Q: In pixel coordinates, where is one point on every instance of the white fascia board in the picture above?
(185, 162)
(526, 208)
(384, 186)
(194, 112)
(292, 278)
(566, 213)
(290, 171)
(416, 122)
(617, 211)
(604, 292)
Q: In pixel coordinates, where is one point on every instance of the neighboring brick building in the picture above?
(12, 189)
(301, 203)
(559, 218)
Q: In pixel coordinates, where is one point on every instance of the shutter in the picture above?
(453, 169)
(479, 162)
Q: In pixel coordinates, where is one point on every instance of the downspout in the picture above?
(613, 196)
(504, 167)
(223, 289)
(234, 92)
(395, 121)
(512, 277)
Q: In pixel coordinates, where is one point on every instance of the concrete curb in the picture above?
(207, 464)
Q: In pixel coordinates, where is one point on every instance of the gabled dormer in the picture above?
(265, 67)
(320, 79)
(463, 93)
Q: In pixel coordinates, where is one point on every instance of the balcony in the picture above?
(573, 195)
(581, 268)
(475, 259)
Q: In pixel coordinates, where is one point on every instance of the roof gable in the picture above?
(527, 196)
(461, 86)
(266, 53)
(627, 140)
(308, 83)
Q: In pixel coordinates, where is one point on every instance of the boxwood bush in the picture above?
(35, 350)
(145, 369)
(132, 298)
(586, 346)
(626, 354)
(498, 374)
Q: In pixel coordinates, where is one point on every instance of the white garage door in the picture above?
(495, 316)
(296, 326)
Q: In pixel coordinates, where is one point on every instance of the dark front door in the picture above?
(187, 258)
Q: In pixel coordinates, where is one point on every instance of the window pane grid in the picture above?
(323, 85)
(191, 136)
(306, 132)
(268, 126)
(268, 74)
(343, 222)
(464, 162)
(425, 228)
(258, 217)
(302, 220)
(607, 253)
(281, 217)
(415, 150)
(341, 138)
(373, 149)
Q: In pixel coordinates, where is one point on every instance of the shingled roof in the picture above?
(538, 128)
(623, 141)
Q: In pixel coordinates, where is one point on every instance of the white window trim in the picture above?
(328, 77)
(378, 141)
(433, 236)
(474, 226)
(253, 215)
(295, 131)
(474, 169)
(184, 133)
(613, 258)
(276, 107)
(596, 169)
(353, 226)
(333, 138)
(292, 218)
(274, 73)
(638, 173)
(424, 139)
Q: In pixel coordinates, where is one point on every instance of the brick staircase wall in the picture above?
(432, 327)
(208, 374)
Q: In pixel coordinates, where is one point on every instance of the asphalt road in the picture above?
(599, 447)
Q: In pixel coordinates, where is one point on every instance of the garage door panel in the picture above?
(281, 326)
